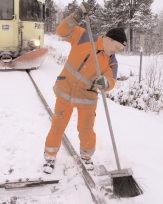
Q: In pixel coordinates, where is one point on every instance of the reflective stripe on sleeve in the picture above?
(74, 100)
(67, 36)
(70, 22)
(77, 75)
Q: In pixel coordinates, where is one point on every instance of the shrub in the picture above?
(137, 95)
(146, 95)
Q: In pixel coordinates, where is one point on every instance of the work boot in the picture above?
(88, 163)
(48, 166)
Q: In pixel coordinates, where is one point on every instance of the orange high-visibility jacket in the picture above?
(79, 71)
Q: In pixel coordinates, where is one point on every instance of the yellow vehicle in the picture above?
(22, 34)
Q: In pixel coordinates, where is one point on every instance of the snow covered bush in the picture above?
(138, 96)
(146, 95)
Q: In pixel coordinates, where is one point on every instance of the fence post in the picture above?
(141, 54)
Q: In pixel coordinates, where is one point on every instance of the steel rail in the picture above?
(67, 144)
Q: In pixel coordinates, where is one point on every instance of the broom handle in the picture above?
(102, 92)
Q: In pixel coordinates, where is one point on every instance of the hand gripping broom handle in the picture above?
(102, 92)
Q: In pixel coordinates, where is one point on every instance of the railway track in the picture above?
(97, 192)
(91, 185)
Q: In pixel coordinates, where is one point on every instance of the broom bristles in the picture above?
(124, 187)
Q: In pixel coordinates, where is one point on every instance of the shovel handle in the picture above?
(102, 92)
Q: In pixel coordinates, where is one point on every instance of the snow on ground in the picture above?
(24, 124)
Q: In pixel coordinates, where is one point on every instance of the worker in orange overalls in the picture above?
(76, 86)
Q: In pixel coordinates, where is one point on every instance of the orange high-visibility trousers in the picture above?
(62, 113)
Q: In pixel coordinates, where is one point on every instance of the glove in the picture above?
(101, 82)
(82, 9)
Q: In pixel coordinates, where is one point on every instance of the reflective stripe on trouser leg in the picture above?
(87, 136)
(86, 153)
(60, 119)
(49, 157)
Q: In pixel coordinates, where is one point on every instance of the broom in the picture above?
(124, 185)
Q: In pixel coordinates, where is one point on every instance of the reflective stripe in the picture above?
(83, 101)
(74, 100)
(77, 75)
(70, 22)
(61, 93)
(52, 149)
(49, 157)
(86, 153)
(67, 36)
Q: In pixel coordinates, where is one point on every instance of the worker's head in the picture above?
(114, 41)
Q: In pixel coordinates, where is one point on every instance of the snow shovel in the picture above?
(124, 185)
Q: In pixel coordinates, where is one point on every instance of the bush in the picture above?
(146, 95)
(137, 95)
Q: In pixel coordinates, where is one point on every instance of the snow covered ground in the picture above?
(24, 124)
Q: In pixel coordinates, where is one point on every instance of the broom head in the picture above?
(124, 185)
